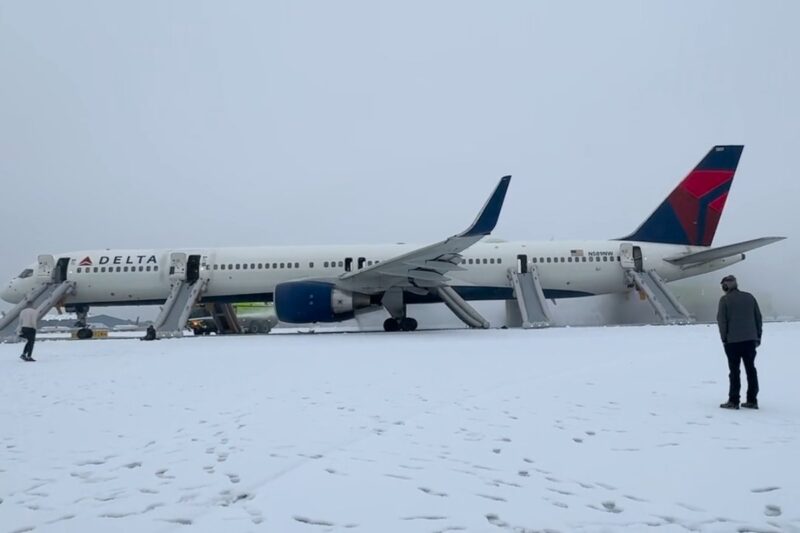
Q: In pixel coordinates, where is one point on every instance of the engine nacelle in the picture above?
(300, 302)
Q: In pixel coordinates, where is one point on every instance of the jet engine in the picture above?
(300, 302)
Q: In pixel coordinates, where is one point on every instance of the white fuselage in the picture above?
(565, 269)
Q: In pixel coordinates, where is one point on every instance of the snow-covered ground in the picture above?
(566, 429)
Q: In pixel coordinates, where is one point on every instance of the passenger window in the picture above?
(238, 266)
(341, 264)
(311, 264)
(569, 260)
(562, 259)
(499, 260)
(95, 270)
(288, 265)
(221, 267)
(215, 267)
(79, 270)
(155, 268)
(591, 259)
(266, 265)
(491, 260)
(102, 269)
(147, 268)
(244, 266)
(283, 265)
(141, 268)
(252, 266)
(297, 265)
(124, 269)
(549, 260)
(605, 258)
(325, 264)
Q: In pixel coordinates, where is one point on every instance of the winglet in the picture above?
(487, 219)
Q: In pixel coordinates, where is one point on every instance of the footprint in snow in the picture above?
(764, 489)
(492, 497)
(495, 520)
(180, 521)
(634, 498)
(772, 510)
(313, 522)
(608, 506)
(432, 492)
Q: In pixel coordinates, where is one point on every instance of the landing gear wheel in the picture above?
(84, 333)
(408, 324)
(391, 324)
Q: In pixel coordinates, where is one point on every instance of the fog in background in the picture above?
(189, 123)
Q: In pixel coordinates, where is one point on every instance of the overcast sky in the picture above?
(190, 123)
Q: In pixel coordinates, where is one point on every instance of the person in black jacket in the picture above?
(739, 320)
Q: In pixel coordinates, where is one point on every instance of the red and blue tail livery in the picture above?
(690, 214)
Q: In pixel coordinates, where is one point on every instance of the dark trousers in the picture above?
(742, 352)
(30, 335)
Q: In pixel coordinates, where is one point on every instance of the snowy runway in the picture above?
(567, 429)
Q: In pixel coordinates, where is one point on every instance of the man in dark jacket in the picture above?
(739, 320)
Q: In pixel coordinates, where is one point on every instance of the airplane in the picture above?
(310, 284)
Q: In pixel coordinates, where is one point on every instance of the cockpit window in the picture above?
(28, 272)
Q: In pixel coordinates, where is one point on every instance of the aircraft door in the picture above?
(348, 264)
(638, 260)
(193, 268)
(522, 264)
(177, 265)
(45, 267)
(62, 267)
(626, 255)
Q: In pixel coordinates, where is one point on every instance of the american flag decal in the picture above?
(576, 253)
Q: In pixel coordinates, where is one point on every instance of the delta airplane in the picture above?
(332, 283)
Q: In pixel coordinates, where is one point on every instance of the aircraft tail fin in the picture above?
(690, 214)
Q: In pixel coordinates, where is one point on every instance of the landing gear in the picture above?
(81, 311)
(401, 324)
(394, 303)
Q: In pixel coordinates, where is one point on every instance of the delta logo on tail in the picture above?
(691, 213)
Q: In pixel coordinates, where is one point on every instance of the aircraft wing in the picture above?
(426, 267)
(720, 252)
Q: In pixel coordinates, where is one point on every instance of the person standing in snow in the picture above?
(739, 320)
(28, 321)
